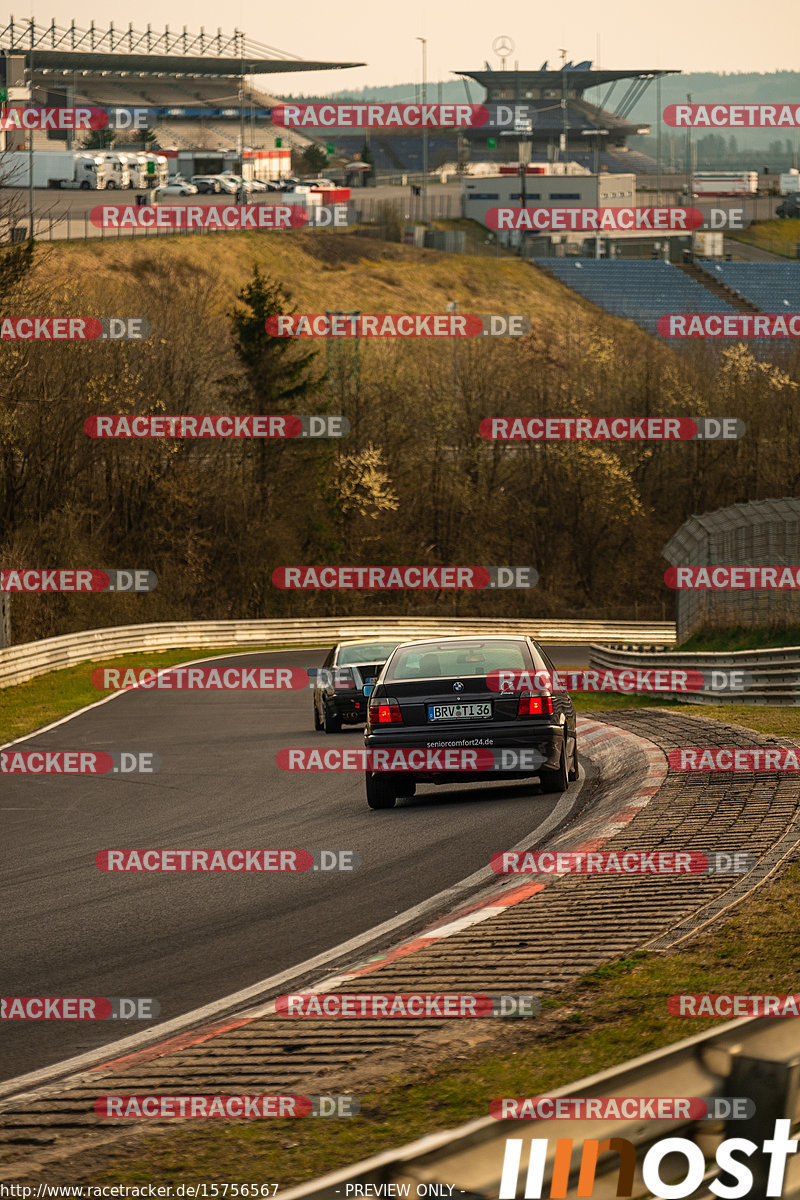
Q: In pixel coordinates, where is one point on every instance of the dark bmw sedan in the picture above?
(348, 668)
(492, 695)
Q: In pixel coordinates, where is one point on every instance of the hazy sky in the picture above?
(685, 34)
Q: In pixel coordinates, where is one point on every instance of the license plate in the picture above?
(460, 712)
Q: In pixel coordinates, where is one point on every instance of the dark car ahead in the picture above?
(790, 206)
(339, 695)
(446, 692)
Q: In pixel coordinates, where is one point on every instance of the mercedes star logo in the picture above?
(502, 46)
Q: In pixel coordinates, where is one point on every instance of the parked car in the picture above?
(227, 185)
(177, 187)
(349, 668)
(318, 183)
(237, 182)
(789, 206)
(207, 184)
(434, 694)
(270, 185)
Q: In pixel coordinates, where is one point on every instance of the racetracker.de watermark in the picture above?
(202, 679)
(621, 1108)
(728, 578)
(714, 1004)
(234, 861)
(623, 862)
(723, 758)
(730, 116)
(402, 325)
(78, 118)
(227, 1107)
(380, 116)
(622, 679)
(592, 220)
(61, 579)
(217, 217)
(611, 429)
(78, 1008)
(424, 759)
(413, 578)
(78, 762)
(358, 1005)
(73, 329)
(729, 325)
(217, 425)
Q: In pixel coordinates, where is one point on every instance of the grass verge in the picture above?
(741, 638)
(25, 707)
(615, 1013)
(778, 236)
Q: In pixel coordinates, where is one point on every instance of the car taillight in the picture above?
(343, 680)
(531, 705)
(385, 711)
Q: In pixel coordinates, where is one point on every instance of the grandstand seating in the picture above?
(161, 92)
(641, 290)
(773, 286)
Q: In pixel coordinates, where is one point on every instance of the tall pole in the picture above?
(241, 131)
(424, 131)
(658, 140)
(689, 152)
(30, 152)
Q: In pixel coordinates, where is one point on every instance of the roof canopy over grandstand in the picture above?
(561, 120)
(569, 80)
(134, 52)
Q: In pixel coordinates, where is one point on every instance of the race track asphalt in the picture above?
(189, 939)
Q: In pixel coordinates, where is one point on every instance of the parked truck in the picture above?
(789, 182)
(160, 174)
(117, 170)
(53, 168)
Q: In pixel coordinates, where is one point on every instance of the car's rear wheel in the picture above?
(330, 723)
(380, 791)
(574, 769)
(556, 781)
(317, 722)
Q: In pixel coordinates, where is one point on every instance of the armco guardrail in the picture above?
(757, 1058)
(770, 676)
(19, 663)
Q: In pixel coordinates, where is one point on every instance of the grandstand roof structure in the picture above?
(69, 49)
(556, 107)
(575, 79)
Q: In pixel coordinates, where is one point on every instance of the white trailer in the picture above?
(725, 183)
(53, 168)
(790, 182)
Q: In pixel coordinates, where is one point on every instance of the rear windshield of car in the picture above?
(438, 660)
(369, 652)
